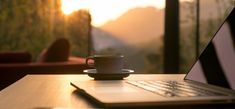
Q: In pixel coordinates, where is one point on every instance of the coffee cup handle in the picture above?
(87, 61)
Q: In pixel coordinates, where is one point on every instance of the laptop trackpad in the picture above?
(105, 86)
(115, 91)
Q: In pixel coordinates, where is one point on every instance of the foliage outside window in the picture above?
(32, 25)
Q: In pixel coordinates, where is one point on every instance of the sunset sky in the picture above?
(106, 10)
(103, 11)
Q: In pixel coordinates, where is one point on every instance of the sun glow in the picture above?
(103, 11)
(69, 6)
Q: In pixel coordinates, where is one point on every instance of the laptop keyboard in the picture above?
(173, 88)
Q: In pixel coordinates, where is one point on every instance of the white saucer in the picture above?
(95, 71)
(108, 76)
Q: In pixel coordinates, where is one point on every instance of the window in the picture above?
(134, 28)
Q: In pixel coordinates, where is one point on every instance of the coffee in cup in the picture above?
(106, 63)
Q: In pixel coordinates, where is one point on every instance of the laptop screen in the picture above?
(216, 65)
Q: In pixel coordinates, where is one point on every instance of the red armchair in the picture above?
(14, 66)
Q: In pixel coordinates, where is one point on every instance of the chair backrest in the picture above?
(57, 52)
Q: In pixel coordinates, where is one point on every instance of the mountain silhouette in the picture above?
(104, 40)
(138, 25)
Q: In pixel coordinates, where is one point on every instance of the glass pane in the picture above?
(130, 27)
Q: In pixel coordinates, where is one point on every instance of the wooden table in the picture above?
(55, 91)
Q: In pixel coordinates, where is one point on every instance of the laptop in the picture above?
(211, 80)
